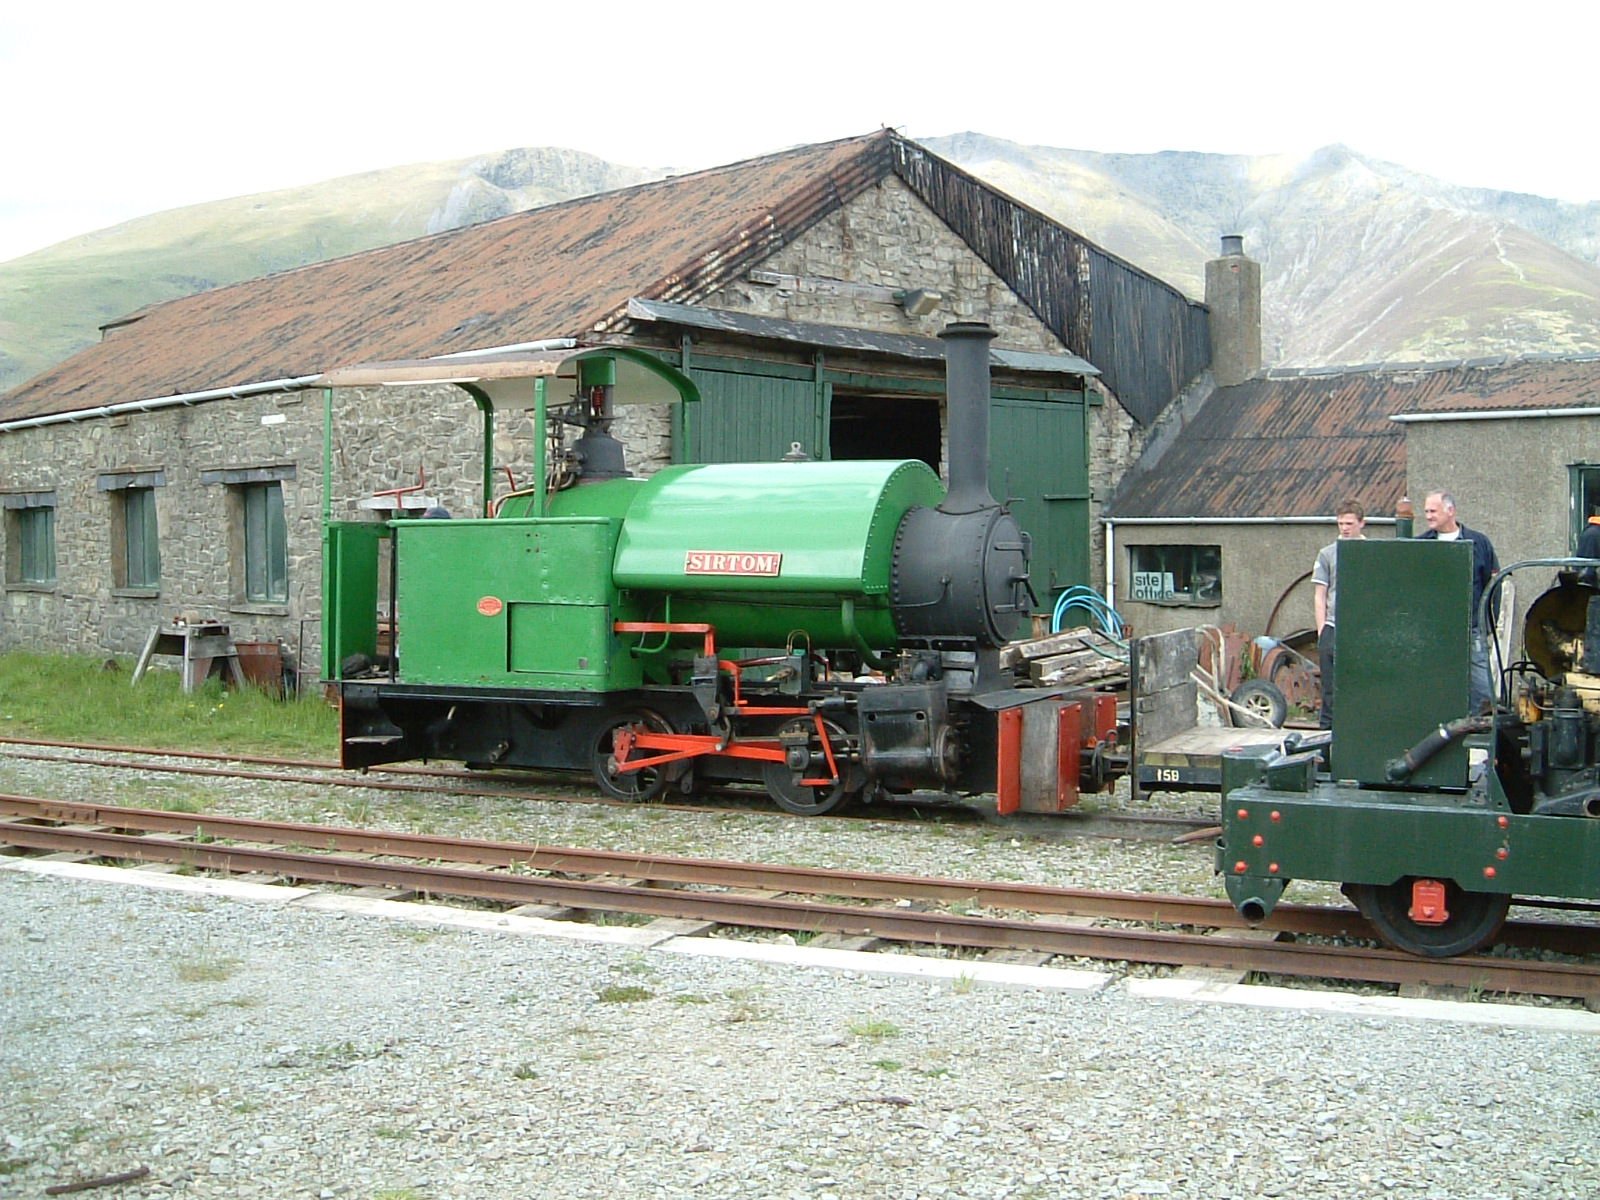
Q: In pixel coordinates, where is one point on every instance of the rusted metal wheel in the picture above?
(1473, 921)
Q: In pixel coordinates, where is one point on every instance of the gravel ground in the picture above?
(248, 1050)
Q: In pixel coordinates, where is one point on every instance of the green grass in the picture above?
(874, 1029)
(75, 698)
(624, 994)
(207, 967)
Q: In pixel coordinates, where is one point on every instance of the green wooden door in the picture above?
(752, 418)
(1039, 461)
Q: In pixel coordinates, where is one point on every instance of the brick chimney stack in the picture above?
(1233, 294)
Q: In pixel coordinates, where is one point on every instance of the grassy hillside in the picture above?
(53, 302)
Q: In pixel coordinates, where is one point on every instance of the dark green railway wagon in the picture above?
(1432, 817)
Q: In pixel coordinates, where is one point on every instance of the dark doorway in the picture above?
(867, 426)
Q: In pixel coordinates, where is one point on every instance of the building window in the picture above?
(141, 559)
(36, 540)
(1176, 575)
(258, 540)
(266, 551)
(135, 534)
(31, 538)
(1585, 499)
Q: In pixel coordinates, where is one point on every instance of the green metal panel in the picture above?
(1039, 460)
(752, 418)
(467, 595)
(1402, 668)
(559, 639)
(606, 498)
(350, 592)
(1368, 836)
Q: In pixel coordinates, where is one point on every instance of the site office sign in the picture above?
(732, 562)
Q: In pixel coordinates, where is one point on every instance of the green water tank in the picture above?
(760, 550)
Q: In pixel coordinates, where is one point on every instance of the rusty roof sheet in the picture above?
(1276, 448)
(563, 270)
(568, 270)
(1504, 385)
(1295, 443)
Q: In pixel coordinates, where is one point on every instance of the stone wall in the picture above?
(85, 611)
(888, 238)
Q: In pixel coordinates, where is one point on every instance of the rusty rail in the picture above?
(505, 883)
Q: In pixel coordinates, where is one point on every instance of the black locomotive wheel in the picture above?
(630, 786)
(1475, 918)
(789, 794)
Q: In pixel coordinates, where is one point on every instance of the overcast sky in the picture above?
(114, 110)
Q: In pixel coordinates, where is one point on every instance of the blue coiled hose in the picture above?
(1090, 601)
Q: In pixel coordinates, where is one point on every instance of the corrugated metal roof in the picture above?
(556, 271)
(568, 270)
(1147, 338)
(1518, 384)
(1295, 444)
(842, 337)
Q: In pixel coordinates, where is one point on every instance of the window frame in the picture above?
(265, 550)
(141, 539)
(258, 537)
(1583, 498)
(1193, 574)
(135, 529)
(31, 561)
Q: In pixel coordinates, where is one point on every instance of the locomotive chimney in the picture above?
(966, 356)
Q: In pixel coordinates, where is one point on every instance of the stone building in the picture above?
(180, 467)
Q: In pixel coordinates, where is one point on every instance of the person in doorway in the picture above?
(1352, 519)
(1439, 511)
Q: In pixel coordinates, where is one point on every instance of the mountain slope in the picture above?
(52, 302)
(1362, 260)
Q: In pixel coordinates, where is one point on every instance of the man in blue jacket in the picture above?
(1439, 510)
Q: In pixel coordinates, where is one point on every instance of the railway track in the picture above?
(968, 914)
(1144, 826)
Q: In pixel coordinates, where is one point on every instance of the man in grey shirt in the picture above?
(1352, 520)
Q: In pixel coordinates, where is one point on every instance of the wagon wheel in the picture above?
(1264, 704)
(784, 785)
(631, 786)
(1474, 917)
